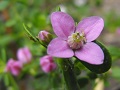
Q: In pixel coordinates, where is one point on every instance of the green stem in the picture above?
(68, 73)
(13, 83)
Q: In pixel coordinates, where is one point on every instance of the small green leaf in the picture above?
(2, 67)
(6, 79)
(3, 4)
(30, 35)
(13, 82)
(103, 67)
(4, 40)
(114, 51)
(10, 22)
(3, 53)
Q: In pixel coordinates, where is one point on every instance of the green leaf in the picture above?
(13, 82)
(5, 39)
(10, 22)
(30, 35)
(3, 4)
(40, 21)
(2, 66)
(3, 53)
(103, 67)
(116, 72)
(6, 80)
(114, 51)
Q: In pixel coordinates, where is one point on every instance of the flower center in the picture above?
(76, 40)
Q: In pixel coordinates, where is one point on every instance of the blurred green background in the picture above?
(35, 14)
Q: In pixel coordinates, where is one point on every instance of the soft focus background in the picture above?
(35, 14)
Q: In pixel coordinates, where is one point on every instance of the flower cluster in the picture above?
(15, 66)
(46, 62)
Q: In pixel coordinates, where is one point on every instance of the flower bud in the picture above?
(47, 64)
(14, 67)
(24, 55)
(45, 36)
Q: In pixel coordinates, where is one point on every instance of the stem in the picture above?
(68, 73)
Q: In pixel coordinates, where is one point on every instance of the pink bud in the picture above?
(47, 64)
(45, 36)
(24, 55)
(14, 67)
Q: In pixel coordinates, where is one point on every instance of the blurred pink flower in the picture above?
(118, 31)
(24, 55)
(47, 64)
(14, 67)
(77, 40)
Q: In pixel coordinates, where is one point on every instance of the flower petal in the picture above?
(63, 24)
(59, 48)
(24, 55)
(90, 53)
(16, 68)
(91, 26)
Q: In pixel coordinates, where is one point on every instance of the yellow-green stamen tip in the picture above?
(76, 40)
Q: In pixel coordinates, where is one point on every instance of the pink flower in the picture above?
(24, 55)
(76, 40)
(47, 64)
(14, 67)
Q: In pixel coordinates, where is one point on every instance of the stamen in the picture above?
(76, 40)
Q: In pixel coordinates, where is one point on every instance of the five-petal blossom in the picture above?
(76, 40)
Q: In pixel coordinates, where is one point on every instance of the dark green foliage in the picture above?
(83, 82)
(92, 76)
